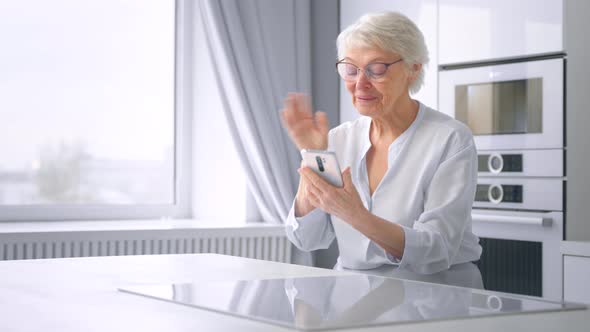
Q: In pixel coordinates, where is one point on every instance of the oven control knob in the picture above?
(495, 163)
(495, 194)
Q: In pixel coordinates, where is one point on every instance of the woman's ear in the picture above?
(415, 70)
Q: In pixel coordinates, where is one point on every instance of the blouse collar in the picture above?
(396, 144)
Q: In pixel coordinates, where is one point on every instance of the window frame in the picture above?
(180, 208)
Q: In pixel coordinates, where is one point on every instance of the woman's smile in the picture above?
(365, 98)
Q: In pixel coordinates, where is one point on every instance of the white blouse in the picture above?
(428, 189)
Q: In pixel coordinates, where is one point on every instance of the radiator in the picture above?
(267, 243)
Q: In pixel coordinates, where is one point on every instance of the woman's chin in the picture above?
(366, 110)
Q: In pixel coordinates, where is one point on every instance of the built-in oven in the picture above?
(516, 113)
(520, 220)
(507, 106)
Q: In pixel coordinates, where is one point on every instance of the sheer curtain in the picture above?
(261, 50)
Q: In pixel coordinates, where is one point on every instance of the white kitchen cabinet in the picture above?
(475, 30)
(576, 270)
(423, 13)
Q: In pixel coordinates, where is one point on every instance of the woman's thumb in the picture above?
(347, 177)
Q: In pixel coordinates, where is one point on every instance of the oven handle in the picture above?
(532, 221)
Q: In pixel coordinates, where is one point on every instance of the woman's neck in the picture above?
(390, 125)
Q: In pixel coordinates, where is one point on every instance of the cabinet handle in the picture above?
(533, 221)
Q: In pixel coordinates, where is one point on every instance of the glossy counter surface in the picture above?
(80, 294)
(332, 302)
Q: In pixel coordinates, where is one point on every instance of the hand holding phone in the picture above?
(325, 164)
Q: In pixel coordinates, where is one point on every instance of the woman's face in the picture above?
(374, 97)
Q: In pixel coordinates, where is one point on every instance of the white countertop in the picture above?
(575, 248)
(80, 294)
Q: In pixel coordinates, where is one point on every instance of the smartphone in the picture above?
(325, 164)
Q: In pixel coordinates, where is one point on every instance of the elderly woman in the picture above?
(411, 175)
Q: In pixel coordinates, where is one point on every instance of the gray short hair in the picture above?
(392, 32)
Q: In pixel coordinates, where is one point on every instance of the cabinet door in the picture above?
(576, 270)
(474, 30)
(423, 13)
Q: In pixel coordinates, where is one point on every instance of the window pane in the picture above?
(87, 102)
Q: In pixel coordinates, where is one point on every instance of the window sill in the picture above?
(218, 226)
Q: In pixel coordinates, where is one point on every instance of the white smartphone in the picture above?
(325, 164)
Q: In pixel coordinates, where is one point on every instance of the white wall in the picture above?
(577, 119)
(324, 30)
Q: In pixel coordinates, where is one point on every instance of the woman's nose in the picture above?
(362, 82)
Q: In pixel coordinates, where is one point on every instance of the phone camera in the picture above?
(320, 163)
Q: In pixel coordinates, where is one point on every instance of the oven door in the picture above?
(507, 106)
(520, 251)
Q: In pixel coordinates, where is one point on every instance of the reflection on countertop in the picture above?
(344, 301)
(462, 275)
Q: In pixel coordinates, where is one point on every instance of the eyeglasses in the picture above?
(375, 71)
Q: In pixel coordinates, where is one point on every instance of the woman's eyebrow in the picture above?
(377, 59)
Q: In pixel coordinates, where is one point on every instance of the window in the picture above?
(87, 102)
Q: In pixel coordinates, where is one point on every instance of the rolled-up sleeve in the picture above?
(310, 232)
(434, 240)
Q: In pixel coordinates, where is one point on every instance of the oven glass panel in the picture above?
(511, 163)
(482, 163)
(507, 193)
(512, 194)
(508, 107)
(481, 193)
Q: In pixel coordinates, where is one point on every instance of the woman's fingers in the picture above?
(285, 118)
(312, 193)
(306, 101)
(304, 186)
(314, 200)
(289, 109)
(306, 130)
(303, 105)
(347, 178)
(315, 180)
(290, 117)
(293, 113)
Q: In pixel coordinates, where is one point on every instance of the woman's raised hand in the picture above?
(306, 129)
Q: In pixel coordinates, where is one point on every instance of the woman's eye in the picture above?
(351, 70)
(377, 69)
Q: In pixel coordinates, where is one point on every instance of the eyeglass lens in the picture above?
(350, 72)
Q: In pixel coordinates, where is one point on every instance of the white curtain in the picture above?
(261, 50)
